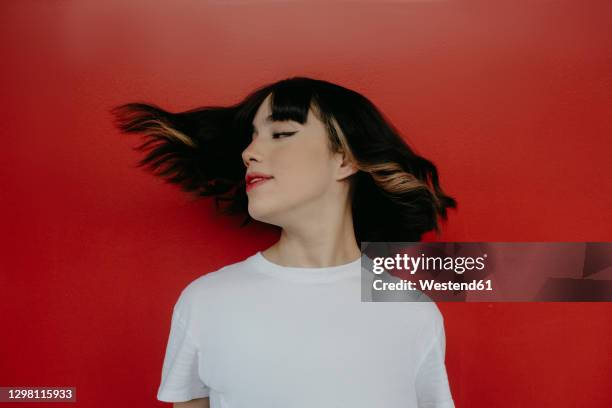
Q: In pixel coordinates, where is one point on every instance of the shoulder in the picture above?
(420, 307)
(433, 316)
(215, 285)
(417, 310)
(218, 278)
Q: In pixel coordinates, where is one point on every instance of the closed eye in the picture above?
(274, 135)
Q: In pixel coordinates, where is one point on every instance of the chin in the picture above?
(260, 213)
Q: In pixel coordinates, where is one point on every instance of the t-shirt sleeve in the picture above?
(180, 380)
(433, 390)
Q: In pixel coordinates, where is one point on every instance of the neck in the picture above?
(316, 244)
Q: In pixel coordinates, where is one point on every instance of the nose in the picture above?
(250, 154)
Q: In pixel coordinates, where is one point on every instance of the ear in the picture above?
(346, 167)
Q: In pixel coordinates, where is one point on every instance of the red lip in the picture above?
(253, 175)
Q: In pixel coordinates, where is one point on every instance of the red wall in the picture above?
(512, 102)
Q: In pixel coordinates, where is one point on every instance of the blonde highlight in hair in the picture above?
(390, 177)
(160, 128)
(393, 179)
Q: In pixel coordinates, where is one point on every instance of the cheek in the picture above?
(305, 171)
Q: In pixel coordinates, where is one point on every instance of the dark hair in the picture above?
(395, 194)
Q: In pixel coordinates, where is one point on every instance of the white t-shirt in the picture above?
(255, 334)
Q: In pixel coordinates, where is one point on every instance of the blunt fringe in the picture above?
(395, 194)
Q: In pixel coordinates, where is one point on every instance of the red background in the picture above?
(511, 101)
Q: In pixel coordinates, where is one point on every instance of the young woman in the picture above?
(286, 327)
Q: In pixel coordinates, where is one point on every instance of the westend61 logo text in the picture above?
(427, 263)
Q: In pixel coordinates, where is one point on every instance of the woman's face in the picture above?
(305, 173)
